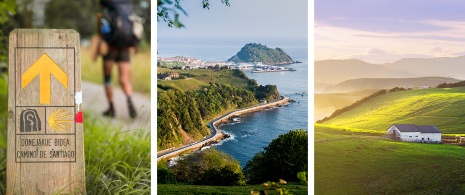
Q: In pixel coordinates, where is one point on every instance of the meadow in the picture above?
(140, 70)
(441, 107)
(294, 188)
(361, 163)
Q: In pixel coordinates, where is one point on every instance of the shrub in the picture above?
(208, 167)
(283, 158)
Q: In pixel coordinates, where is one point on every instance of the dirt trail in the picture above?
(94, 100)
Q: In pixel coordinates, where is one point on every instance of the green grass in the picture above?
(207, 75)
(440, 107)
(294, 188)
(140, 70)
(354, 163)
(188, 84)
(117, 160)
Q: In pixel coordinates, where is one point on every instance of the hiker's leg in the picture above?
(125, 82)
(107, 67)
(124, 77)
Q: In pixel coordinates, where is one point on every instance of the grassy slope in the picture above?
(188, 84)
(440, 107)
(140, 70)
(293, 188)
(206, 76)
(348, 163)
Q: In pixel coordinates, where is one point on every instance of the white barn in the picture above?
(415, 133)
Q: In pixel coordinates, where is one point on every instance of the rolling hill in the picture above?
(336, 71)
(387, 83)
(442, 107)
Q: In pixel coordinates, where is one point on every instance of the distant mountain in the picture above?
(336, 71)
(444, 66)
(387, 83)
(253, 52)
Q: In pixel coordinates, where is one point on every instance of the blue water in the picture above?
(256, 129)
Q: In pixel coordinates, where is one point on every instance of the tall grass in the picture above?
(3, 130)
(117, 160)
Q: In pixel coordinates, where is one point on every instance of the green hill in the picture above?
(440, 107)
(354, 163)
(253, 52)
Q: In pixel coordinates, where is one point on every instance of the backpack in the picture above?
(120, 27)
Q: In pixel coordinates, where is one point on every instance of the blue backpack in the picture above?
(119, 26)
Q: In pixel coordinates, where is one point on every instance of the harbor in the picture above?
(267, 68)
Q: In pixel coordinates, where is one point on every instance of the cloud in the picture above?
(439, 52)
(335, 42)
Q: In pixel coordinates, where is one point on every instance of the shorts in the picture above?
(118, 55)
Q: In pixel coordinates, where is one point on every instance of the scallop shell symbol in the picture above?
(58, 120)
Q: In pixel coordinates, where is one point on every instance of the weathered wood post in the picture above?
(45, 153)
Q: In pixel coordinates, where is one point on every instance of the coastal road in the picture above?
(214, 132)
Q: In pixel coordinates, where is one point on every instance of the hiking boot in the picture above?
(132, 110)
(109, 113)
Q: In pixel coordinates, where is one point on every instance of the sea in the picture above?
(255, 130)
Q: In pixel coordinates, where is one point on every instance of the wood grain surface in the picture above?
(45, 153)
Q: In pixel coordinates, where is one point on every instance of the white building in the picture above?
(415, 133)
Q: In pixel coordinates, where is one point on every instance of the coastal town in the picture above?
(185, 63)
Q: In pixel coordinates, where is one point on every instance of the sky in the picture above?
(384, 31)
(244, 18)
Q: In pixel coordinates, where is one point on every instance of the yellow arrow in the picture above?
(46, 67)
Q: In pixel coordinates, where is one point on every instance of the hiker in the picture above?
(117, 27)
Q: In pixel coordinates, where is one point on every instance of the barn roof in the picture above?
(417, 128)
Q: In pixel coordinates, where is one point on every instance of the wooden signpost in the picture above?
(45, 131)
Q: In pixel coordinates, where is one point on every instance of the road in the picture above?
(94, 100)
(214, 132)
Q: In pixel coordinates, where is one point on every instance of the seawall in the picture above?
(216, 134)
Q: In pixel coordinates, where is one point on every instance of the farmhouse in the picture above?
(415, 133)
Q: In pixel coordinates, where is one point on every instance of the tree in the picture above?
(283, 158)
(168, 11)
(7, 10)
(208, 167)
(78, 15)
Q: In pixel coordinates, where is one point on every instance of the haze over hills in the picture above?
(336, 71)
(445, 66)
(327, 103)
(387, 83)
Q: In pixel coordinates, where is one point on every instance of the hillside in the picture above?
(253, 52)
(184, 106)
(442, 107)
(327, 103)
(336, 71)
(445, 66)
(387, 83)
(356, 163)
